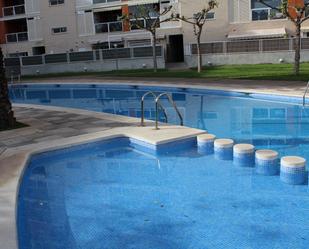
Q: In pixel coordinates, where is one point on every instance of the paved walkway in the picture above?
(49, 125)
(291, 88)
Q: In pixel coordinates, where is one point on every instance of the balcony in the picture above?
(141, 23)
(14, 10)
(105, 1)
(108, 27)
(16, 37)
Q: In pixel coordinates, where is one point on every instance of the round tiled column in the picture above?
(205, 143)
(293, 170)
(223, 149)
(267, 162)
(243, 155)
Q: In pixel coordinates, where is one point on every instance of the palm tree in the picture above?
(7, 119)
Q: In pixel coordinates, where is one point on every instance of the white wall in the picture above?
(246, 58)
(32, 6)
(93, 66)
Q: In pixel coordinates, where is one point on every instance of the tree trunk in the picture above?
(297, 49)
(199, 55)
(154, 54)
(7, 119)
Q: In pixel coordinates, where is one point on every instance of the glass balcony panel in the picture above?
(14, 10)
(22, 36)
(20, 10)
(101, 28)
(8, 11)
(137, 24)
(11, 38)
(115, 26)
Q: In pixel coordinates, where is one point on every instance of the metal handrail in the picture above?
(170, 99)
(305, 93)
(142, 107)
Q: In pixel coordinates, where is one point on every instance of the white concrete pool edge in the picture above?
(213, 86)
(13, 161)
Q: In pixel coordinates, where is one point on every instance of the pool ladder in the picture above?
(158, 107)
(305, 93)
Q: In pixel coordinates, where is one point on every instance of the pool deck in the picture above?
(286, 88)
(56, 127)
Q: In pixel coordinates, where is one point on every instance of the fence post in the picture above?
(68, 57)
(94, 55)
(260, 45)
(101, 55)
(291, 44)
(224, 47)
(21, 61)
(43, 59)
(131, 53)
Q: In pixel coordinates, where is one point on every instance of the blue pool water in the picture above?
(281, 124)
(119, 195)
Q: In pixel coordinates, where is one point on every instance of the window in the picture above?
(108, 45)
(38, 50)
(210, 15)
(262, 12)
(56, 2)
(59, 30)
(18, 54)
(116, 44)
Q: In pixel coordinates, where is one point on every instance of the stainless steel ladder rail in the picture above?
(142, 107)
(305, 93)
(170, 99)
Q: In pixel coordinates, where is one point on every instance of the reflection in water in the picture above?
(261, 122)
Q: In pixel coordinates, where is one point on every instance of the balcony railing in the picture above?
(17, 37)
(14, 10)
(105, 1)
(141, 23)
(108, 27)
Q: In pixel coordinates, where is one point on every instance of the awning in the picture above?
(305, 28)
(257, 33)
(107, 9)
(140, 2)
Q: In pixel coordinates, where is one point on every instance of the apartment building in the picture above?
(34, 27)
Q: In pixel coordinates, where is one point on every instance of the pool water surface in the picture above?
(115, 194)
(266, 121)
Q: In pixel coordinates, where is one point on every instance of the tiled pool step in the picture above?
(292, 169)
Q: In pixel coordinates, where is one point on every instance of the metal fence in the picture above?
(95, 55)
(249, 46)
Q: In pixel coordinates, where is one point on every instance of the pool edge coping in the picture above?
(196, 86)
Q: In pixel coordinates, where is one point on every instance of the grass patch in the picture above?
(18, 125)
(253, 72)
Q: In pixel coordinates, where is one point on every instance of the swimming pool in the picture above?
(266, 121)
(119, 194)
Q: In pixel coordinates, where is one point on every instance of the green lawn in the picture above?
(257, 72)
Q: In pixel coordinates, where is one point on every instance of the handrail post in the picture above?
(142, 107)
(170, 99)
(305, 93)
(142, 113)
(157, 116)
